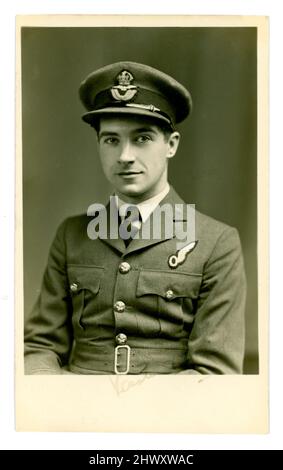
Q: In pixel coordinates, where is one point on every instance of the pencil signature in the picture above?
(123, 384)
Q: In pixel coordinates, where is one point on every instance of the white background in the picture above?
(9, 439)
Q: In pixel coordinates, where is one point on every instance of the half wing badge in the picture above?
(175, 260)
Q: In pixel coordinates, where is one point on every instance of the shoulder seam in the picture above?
(226, 229)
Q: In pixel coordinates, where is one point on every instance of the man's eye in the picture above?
(142, 139)
(110, 140)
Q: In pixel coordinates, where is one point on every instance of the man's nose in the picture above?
(127, 153)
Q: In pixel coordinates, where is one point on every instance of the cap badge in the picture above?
(175, 260)
(124, 91)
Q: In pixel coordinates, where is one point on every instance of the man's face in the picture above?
(134, 154)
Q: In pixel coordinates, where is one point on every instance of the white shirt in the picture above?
(145, 207)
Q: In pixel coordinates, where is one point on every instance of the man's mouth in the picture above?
(129, 173)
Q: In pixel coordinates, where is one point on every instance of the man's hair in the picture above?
(165, 128)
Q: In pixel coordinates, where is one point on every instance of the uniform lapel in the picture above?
(173, 201)
(112, 237)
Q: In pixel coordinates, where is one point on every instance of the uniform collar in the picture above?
(171, 198)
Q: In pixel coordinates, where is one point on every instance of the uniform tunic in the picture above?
(98, 294)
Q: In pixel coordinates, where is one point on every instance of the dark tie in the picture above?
(130, 224)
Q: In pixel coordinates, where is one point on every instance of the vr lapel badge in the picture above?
(124, 91)
(175, 260)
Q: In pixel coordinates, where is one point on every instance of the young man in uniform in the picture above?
(139, 302)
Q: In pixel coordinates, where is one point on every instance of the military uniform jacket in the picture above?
(106, 309)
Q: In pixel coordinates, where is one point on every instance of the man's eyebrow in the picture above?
(107, 133)
(140, 130)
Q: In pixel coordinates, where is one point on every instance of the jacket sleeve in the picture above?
(217, 340)
(48, 329)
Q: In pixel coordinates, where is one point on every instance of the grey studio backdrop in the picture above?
(216, 164)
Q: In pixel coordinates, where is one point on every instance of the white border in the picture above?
(11, 439)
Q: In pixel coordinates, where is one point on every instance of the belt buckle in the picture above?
(128, 349)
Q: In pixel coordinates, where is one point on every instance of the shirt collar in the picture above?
(145, 207)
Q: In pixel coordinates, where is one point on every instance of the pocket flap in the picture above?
(168, 284)
(84, 277)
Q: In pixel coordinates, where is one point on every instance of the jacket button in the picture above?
(119, 306)
(74, 287)
(121, 338)
(169, 294)
(124, 268)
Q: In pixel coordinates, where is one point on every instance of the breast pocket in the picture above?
(84, 284)
(175, 295)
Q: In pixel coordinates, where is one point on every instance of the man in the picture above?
(147, 300)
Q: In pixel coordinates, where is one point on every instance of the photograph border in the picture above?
(240, 403)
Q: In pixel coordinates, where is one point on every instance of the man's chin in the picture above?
(130, 192)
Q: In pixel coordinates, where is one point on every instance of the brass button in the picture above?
(121, 338)
(124, 268)
(74, 287)
(119, 306)
(169, 294)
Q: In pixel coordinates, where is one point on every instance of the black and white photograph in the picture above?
(138, 166)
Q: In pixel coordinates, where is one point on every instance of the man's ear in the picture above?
(173, 143)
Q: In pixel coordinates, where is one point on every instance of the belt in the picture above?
(123, 359)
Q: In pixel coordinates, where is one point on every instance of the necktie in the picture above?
(130, 224)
